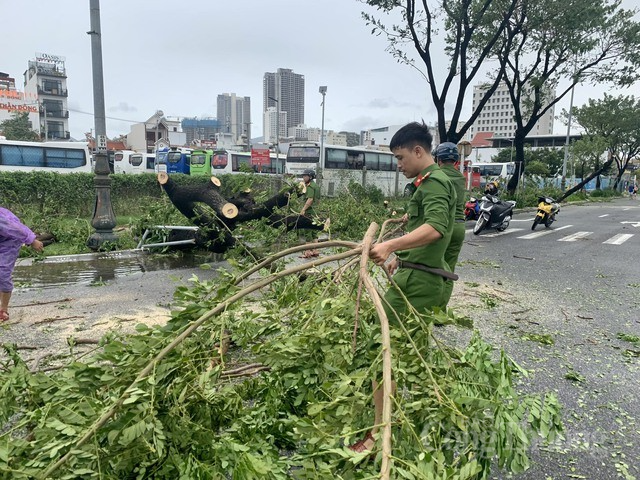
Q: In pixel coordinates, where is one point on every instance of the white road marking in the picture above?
(523, 219)
(605, 215)
(497, 234)
(619, 239)
(635, 224)
(468, 230)
(575, 236)
(543, 232)
(625, 209)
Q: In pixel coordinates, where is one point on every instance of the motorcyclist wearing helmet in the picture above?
(491, 188)
(446, 154)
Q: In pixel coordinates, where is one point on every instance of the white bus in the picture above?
(61, 157)
(342, 165)
(498, 171)
(129, 161)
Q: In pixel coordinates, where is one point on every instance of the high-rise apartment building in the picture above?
(284, 91)
(234, 115)
(271, 123)
(46, 80)
(497, 115)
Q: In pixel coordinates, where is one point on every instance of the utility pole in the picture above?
(323, 91)
(563, 183)
(103, 217)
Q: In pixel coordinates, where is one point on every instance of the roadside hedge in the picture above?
(73, 194)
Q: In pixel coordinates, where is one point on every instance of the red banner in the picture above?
(260, 157)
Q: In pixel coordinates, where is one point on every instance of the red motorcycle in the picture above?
(472, 209)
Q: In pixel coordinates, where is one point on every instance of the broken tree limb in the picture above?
(221, 307)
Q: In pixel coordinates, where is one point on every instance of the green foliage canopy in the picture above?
(19, 128)
(612, 122)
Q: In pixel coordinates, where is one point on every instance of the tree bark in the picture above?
(214, 232)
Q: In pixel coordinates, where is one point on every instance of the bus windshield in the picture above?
(135, 160)
(174, 157)
(198, 158)
(304, 154)
(219, 160)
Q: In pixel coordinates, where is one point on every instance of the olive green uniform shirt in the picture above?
(458, 181)
(457, 237)
(313, 191)
(433, 203)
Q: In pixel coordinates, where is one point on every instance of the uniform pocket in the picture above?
(413, 210)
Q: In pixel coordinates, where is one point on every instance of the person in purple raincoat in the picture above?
(13, 234)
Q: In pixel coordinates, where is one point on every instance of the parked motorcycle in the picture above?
(471, 209)
(547, 211)
(494, 213)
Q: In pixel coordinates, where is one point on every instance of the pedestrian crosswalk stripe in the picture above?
(625, 209)
(468, 230)
(522, 219)
(575, 236)
(543, 232)
(619, 239)
(497, 234)
(605, 215)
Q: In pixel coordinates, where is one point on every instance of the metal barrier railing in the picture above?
(142, 245)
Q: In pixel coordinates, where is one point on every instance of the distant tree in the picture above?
(467, 32)
(589, 154)
(592, 41)
(19, 128)
(506, 155)
(616, 121)
(536, 167)
(552, 158)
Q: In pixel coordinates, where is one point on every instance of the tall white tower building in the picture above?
(497, 115)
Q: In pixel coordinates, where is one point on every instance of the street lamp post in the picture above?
(323, 92)
(103, 217)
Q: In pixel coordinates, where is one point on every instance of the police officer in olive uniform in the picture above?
(311, 194)
(447, 155)
(422, 269)
(420, 253)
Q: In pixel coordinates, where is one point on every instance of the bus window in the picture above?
(335, 158)
(219, 160)
(371, 161)
(198, 158)
(174, 157)
(22, 156)
(387, 162)
(136, 160)
(303, 154)
(355, 160)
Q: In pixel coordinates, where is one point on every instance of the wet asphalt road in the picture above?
(578, 283)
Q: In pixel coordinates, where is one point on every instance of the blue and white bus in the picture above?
(341, 165)
(61, 157)
(179, 160)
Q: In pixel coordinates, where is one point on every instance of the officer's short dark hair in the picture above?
(410, 135)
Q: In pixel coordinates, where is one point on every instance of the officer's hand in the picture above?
(405, 218)
(380, 252)
(392, 266)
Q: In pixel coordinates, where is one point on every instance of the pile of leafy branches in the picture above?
(293, 389)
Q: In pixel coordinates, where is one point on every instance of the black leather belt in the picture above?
(436, 271)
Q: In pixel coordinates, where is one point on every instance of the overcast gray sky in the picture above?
(178, 56)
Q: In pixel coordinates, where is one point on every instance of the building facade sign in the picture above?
(19, 108)
(47, 57)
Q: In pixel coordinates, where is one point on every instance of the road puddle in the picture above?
(95, 269)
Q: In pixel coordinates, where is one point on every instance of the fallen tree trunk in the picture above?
(215, 227)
